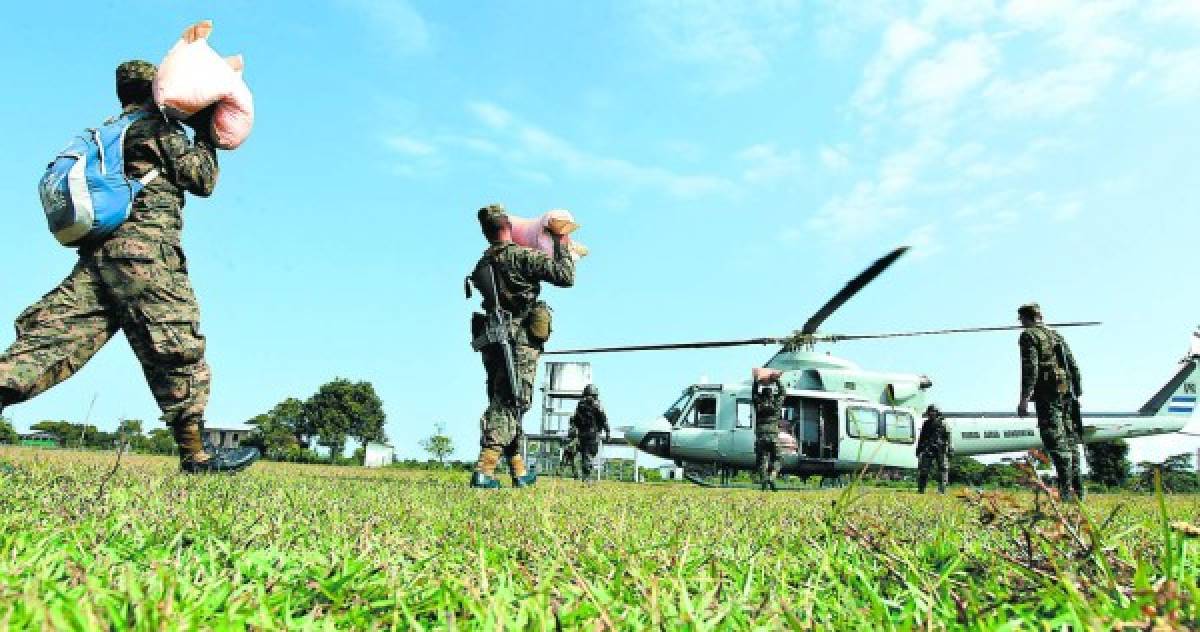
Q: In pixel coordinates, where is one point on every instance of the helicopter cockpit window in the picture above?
(899, 426)
(703, 413)
(745, 413)
(672, 414)
(862, 423)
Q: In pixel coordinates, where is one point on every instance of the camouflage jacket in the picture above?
(768, 402)
(184, 166)
(1047, 365)
(589, 419)
(934, 437)
(520, 272)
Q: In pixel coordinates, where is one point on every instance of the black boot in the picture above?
(479, 480)
(233, 460)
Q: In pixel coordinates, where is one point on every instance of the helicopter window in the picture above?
(899, 426)
(862, 423)
(703, 413)
(745, 413)
(672, 414)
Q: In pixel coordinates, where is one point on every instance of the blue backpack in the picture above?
(85, 192)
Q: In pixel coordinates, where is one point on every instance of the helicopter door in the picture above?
(696, 436)
(736, 445)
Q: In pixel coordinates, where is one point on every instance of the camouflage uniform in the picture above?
(587, 423)
(519, 273)
(1050, 377)
(768, 408)
(933, 451)
(135, 281)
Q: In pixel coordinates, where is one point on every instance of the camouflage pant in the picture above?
(933, 460)
(766, 455)
(1061, 441)
(139, 287)
(500, 426)
(589, 447)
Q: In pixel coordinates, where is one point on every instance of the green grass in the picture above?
(292, 546)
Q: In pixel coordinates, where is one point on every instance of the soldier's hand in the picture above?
(1023, 408)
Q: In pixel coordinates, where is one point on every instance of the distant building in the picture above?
(377, 454)
(38, 439)
(228, 436)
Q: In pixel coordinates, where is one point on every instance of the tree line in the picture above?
(339, 411)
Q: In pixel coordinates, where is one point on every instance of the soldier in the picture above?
(768, 408)
(509, 277)
(135, 281)
(1050, 377)
(933, 450)
(586, 424)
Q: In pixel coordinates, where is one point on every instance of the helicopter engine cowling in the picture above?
(899, 392)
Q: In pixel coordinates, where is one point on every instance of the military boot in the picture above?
(485, 470)
(233, 460)
(521, 476)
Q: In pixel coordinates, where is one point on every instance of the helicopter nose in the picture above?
(653, 438)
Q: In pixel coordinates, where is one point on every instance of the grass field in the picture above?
(288, 546)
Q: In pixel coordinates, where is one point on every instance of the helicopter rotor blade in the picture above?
(712, 344)
(853, 287)
(939, 332)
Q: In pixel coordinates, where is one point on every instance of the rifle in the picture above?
(498, 331)
(1073, 412)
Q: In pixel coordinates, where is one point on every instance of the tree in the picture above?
(275, 437)
(292, 414)
(342, 409)
(1177, 474)
(160, 441)
(439, 445)
(1108, 462)
(8, 434)
(966, 470)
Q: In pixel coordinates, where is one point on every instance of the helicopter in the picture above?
(840, 418)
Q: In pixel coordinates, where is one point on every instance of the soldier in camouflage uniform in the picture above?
(933, 450)
(519, 273)
(1050, 377)
(587, 423)
(768, 397)
(135, 281)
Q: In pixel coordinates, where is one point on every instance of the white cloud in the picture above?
(957, 68)
(399, 26)
(735, 41)
(410, 146)
(534, 145)
(765, 163)
(834, 158)
(901, 41)
(1067, 211)
(924, 241)
(1051, 93)
(1177, 73)
(1174, 11)
(862, 211)
(493, 115)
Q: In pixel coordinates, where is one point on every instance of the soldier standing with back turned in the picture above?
(509, 277)
(1050, 377)
(588, 421)
(135, 281)
(768, 397)
(933, 450)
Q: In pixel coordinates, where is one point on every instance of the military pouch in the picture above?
(538, 323)
(478, 325)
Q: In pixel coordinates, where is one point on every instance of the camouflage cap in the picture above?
(135, 70)
(591, 389)
(932, 410)
(492, 218)
(1029, 309)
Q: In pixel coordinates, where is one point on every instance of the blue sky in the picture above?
(732, 164)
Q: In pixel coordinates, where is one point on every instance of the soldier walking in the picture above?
(1050, 377)
(509, 277)
(768, 395)
(135, 281)
(587, 423)
(933, 450)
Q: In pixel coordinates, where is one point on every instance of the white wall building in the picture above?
(228, 435)
(377, 455)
